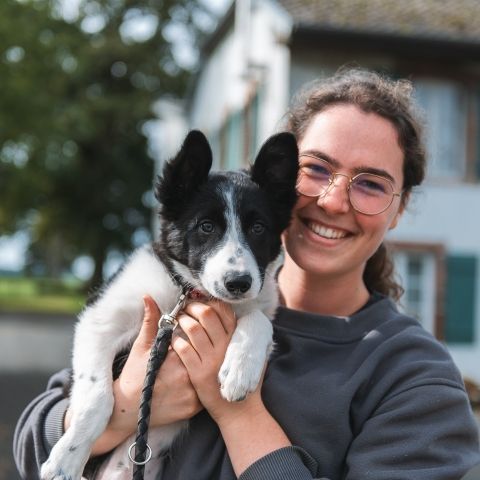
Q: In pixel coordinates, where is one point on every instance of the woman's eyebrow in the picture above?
(322, 156)
(337, 165)
(374, 171)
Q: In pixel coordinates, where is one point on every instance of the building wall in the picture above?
(445, 214)
(249, 64)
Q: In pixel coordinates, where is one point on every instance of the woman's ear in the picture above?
(403, 205)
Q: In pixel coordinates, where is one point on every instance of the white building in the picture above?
(264, 50)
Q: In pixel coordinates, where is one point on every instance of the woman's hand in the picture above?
(173, 399)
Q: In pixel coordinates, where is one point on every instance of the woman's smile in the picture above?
(326, 232)
(323, 230)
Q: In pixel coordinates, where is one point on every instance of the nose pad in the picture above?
(238, 283)
(336, 196)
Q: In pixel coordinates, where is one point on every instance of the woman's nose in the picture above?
(335, 199)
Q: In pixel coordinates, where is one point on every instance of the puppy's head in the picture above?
(222, 230)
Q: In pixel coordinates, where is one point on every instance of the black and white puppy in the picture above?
(220, 234)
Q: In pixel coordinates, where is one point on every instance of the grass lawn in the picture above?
(40, 295)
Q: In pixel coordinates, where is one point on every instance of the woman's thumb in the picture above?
(149, 327)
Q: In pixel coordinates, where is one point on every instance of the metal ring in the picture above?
(149, 455)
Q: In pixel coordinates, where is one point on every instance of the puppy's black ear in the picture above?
(183, 174)
(276, 169)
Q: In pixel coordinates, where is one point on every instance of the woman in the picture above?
(354, 389)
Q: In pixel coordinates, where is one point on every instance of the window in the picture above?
(251, 127)
(445, 105)
(417, 272)
(235, 151)
(235, 144)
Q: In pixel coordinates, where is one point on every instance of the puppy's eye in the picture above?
(258, 228)
(207, 226)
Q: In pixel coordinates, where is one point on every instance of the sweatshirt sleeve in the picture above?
(40, 426)
(289, 462)
(426, 432)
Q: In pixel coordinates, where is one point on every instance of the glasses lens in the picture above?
(371, 194)
(314, 176)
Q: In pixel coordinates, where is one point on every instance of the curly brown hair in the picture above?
(392, 100)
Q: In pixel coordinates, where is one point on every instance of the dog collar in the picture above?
(194, 294)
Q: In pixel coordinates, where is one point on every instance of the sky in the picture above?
(13, 248)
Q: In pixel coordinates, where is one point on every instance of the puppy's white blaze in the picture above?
(232, 256)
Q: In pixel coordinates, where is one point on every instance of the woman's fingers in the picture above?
(217, 319)
(186, 352)
(207, 316)
(226, 315)
(207, 330)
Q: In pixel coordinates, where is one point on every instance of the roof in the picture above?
(445, 20)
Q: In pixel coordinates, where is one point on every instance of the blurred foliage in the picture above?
(74, 100)
(48, 295)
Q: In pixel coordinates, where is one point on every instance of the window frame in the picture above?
(438, 251)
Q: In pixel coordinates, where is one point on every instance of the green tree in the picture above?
(74, 99)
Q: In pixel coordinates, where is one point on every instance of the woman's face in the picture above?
(327, 236)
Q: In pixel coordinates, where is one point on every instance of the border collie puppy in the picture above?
(220, 235)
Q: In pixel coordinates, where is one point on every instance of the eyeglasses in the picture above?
(368, 193)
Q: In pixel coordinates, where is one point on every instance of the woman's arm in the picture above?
(40, 426)
(248, 429)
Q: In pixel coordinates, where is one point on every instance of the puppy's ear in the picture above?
(183, 174)
(276, 169)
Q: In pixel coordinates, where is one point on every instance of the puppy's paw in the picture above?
(50, 471)
(239, 375)
(63, 465)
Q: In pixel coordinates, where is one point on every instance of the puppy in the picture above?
(220, 235)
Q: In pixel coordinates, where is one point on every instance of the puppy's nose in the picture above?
(238, 283)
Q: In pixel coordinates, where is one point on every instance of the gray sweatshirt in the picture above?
(367, 397)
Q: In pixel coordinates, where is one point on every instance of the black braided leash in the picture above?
(159, 351)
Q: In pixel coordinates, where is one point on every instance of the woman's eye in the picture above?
(258, 228)
(207, 227)
(315, 170)
(372, 185)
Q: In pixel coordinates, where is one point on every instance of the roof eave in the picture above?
(393, 43)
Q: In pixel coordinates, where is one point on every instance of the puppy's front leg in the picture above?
(91, 401)
(91, 405)
(246, 356)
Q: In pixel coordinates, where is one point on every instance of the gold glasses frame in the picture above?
(351, 180)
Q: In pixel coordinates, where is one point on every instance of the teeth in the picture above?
(326, 232)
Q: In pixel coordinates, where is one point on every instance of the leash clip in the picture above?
(169, 319)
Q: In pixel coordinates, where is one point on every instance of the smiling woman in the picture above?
(354, 389)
